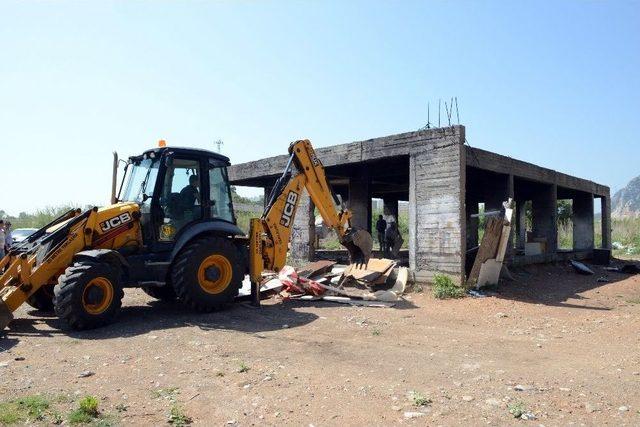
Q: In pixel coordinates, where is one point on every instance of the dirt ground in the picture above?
(561, 347)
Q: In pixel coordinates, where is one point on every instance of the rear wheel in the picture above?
(208, 273)
(162, 293)
(88, 295)
(42, 299)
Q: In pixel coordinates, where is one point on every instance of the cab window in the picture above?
(181, 199)
(219, 195)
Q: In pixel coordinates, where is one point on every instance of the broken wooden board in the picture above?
(371, 272)
(489, 273)
(490, 257)
(401, 281)
(380, 265)
(488, 248)
(316, 268)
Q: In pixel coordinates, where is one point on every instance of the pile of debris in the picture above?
(378, 283)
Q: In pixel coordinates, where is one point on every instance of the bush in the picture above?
(177, 416)
(443, 288)
(87, 411)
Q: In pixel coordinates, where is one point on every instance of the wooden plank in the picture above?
(488, 247)
(316, 268)
(506, 232)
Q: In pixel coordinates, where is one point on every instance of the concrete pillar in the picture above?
(437, 220)
(303, 231)
(472, 223)
(511, 194)
(360, 200)
(521, 223)
(583, 233)
(545, 216)
(606, 222)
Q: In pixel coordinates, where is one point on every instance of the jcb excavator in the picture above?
(170, 230)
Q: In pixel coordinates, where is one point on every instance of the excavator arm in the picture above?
(270, 234)
(27, 269)
(49, 251)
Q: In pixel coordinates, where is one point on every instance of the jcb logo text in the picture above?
(289, 209)
(115, 222)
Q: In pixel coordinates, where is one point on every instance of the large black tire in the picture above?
(162, 293)
(42, 299)
(88, 295)
(207, 273)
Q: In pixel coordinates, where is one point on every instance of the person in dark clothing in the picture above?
(394, 241)
(190, 194)
(381, 226)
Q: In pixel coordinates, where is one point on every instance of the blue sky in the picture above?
(553, 83)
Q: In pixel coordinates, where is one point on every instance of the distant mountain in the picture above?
(626, 202)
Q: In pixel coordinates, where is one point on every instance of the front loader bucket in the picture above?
(5, 315)
(359, 243)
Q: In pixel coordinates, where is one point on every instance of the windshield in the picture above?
(139, 181)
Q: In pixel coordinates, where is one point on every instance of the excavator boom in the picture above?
(270, 234)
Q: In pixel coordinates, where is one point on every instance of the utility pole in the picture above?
(219, 143)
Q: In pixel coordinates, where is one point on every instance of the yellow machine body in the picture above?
(270, 234)
(110, 227)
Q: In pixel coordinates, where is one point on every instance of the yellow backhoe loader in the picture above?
(170, 230)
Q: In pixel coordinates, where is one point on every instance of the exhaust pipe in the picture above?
(114, 178)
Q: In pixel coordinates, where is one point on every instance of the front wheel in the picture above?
(88, 295)
(208, 273)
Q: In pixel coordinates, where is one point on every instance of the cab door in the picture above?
(217, 191)
(180, 201)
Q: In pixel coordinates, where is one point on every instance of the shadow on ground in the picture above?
(557, 285)
(156, 316)
(136, 320)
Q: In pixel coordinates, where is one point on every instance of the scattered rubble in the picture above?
(378, 283)
(581, 268)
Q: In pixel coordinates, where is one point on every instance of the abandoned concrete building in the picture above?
(445, 182)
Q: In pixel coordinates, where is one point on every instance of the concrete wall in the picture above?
(437, 227)
(545, 216)
(303, 232)
(583, 223)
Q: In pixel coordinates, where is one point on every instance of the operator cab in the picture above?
(176, 187)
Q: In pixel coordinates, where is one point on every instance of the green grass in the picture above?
(517, 409)
(178, 417)
(28, 408)
(634, 300)
(86, 412)
(419, 399)
(565, 235)
(45, 410)
(243, 367)
(625, 231)
(444, 288)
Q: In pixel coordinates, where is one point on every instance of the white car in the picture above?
(20, 234)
